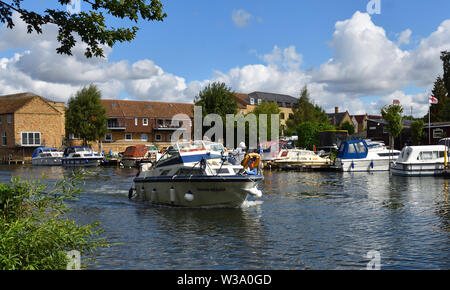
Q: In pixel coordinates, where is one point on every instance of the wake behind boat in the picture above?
(196, 174)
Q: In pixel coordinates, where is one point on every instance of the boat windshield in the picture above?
(172, 156)
(190, 146)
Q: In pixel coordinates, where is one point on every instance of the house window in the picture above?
(158, 137)
(144, 137)
(108, 137)
(282, 116)
(252, 101)
(73, 137)
(128, 137)
(4, 143)
(135, 121)
(259, 101)
(438, 133)
(145, 122)
(31, 138)
(9, 119)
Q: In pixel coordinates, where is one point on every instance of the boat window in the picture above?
(171, 157)
(425, 155)
(360, 148)
(342, 147)
(351, 148)
(441, 154)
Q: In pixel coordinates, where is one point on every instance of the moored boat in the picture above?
(420, 161)
(191, 175)
(46, 156)
(356, 155)
(136, 154)
(293, 158)
(81, 156)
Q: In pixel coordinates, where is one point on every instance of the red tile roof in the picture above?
(146, 109)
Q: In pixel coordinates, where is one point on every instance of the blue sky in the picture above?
(253, 45)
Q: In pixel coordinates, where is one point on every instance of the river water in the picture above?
(305, 220)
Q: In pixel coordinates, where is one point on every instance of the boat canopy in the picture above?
(354, 149)
(74, 149)
(136, 151)
(42, 149)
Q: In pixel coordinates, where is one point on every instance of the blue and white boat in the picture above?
(81, 156)
(46, 156)
(357, 155)
(195, 174)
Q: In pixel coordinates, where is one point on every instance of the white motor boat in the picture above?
(81, 156)
(289, 158)
(195, 174)
(356, 155)
(46, 156)
(420, 161)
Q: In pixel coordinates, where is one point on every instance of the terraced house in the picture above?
(143, 122)
(28, 121)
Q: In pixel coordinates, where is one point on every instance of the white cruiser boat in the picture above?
(81, 156)
(356, 155)
(420, 161)
(288, 158)
(195, 174)
(46, 156)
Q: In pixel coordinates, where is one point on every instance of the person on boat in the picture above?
(239, 153)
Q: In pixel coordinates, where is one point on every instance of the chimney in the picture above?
(336, 110)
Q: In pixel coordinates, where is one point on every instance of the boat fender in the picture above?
(371, 164)
(353, 165)
(172, 194)
(153, 196)
(130, 193)
(87, 161)
(189, 196)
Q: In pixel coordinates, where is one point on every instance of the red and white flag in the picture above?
(396, 102)
(433, 100)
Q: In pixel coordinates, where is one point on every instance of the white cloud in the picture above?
(241, 17)
(404, 37)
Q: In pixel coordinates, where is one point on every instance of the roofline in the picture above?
(115, 100)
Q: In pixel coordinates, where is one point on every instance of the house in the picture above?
(376, 130)
(143, 122)
(28, 121)
(361, 121)
(248, 102)
(338, 118)
(436, 131)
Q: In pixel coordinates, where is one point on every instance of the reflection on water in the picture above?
(314, 220)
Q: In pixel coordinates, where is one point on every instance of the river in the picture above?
(305, 220)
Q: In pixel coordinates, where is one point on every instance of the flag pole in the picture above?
(429, 123)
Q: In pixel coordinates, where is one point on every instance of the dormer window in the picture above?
(252, 101)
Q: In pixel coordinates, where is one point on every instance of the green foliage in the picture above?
(308, 133)
(89, 24)
(445, 57)
(86, 115)
(393, 116)
(34, 232)
(349, 127)
(438, 111)
(305, 111)
(417, 131)
(217, 98)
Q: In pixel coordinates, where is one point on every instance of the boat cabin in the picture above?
(422, 154)
(44, 152)
(355, 149)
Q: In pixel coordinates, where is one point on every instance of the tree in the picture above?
(308, 133)
(89, 24)
(86, 115)
(305, 111)
(417, 131)
(393, 116)
(445, 57)
(349, 127)
(217, 98)
(437, 111)
(34, 230)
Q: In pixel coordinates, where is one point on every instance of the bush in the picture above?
(34, 234)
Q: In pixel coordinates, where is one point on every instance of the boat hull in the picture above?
(417, 170)
(81, 162)
(362, 165)
(207, 191)
(129, 162)
(46, 161)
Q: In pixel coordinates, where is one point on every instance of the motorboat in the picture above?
(46, 156)
(81, 156)
(136, 154)
(197, 174)
(292, 158)
(357, 155)
(420, 161)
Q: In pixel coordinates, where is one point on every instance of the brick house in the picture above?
(28, 121)
(338, 118)
(143, 122)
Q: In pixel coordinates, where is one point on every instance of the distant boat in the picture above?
(289, 158)
(81, 156)
(46, 156)
(420, 161)
(356, 155)
(136, 154)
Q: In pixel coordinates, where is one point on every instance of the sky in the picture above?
(357, 55)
